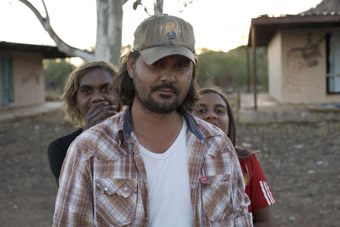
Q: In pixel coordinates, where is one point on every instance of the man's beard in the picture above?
(150, 103)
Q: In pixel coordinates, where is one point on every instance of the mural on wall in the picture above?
(295, 64)
(299, 59)
(34, 74)
(310, 52)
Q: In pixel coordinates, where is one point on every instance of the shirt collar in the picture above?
(126, 125)
(192, 125)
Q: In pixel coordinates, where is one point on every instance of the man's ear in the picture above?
(131, 67)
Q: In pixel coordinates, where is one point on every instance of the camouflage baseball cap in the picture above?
(161, 36)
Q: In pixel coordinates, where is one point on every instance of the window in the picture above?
(333, 62)
(6, 80)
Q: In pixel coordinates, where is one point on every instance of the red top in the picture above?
(257, 187)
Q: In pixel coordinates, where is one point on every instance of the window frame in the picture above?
(329, 75)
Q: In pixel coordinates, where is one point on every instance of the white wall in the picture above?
(275, 67)
(302, 64)
(28, 79)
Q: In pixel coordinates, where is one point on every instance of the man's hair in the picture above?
(124, 88)
(72, 85)
(232, 128)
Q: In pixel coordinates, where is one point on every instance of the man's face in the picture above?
(162, 86)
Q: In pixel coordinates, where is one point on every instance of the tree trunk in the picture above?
(109, 30)
(158, 7)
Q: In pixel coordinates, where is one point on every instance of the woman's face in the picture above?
(213, 109)
(94, 87)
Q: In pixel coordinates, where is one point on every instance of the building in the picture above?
(21, 73)
(303, 54)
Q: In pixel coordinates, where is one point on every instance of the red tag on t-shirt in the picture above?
(203, 179)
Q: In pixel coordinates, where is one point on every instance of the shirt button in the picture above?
(125, 189)
(106, 189)
(193, 186)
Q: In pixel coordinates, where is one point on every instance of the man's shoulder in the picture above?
(207, 129)
(106, 130)
(215, 139)
(100, 140)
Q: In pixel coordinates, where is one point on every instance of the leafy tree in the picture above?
(262, 68)
(56, 73)
(229, 70)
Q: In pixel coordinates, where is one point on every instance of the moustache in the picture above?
(166, 86)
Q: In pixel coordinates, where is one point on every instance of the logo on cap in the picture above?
(171, 30)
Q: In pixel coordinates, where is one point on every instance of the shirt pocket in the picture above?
(216, 197)
(116, 200)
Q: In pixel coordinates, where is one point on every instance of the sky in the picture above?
(219, 25)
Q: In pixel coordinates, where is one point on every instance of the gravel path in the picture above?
(301, 162)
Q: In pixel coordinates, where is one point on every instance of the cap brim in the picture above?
(153, 54)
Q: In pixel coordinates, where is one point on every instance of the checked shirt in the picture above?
(104, 182)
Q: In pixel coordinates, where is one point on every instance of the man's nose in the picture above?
(168, 75)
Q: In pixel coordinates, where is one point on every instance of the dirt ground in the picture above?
(301, 162)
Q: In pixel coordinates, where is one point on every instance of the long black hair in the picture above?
(232, 127)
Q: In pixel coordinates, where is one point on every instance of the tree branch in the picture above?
(61, 45)
(47, 17)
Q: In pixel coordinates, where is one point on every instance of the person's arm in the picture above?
(261, 195)
(263, 217)
(56, 154)
(57, 150)
(74, 202)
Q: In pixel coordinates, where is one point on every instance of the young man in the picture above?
(154, 164)
(88, 100)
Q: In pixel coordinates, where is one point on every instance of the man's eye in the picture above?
(182, 65)
(158, 63)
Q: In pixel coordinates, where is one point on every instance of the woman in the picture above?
(214, 108)
(88, 100)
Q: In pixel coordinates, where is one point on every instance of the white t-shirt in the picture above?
(168, 184)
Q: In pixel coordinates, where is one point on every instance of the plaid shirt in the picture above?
(103, 180)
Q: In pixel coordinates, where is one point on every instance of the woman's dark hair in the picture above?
(232, 127)
(124, 89)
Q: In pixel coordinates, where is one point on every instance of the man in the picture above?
(88, 100)
(154, 164)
